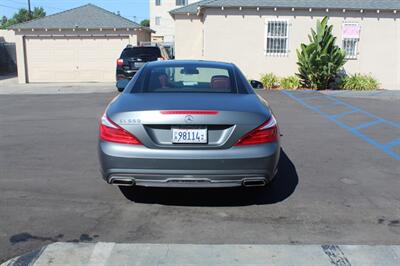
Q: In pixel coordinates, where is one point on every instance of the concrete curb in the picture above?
(107, 254)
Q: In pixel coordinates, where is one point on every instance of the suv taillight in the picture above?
(111, 132)
(120, 62)
(162, 58)
(266, 133)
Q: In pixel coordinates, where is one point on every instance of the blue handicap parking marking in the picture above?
(340, 112)
(318, 101)
(392, 143)
(368, 124)
(335, 109)
(358, 120)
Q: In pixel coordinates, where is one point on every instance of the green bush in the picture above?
(290, 82)
(321, 59)
(360, 82)
(270, 81)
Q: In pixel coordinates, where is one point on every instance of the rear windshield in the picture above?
(187, 78)
(140, 52)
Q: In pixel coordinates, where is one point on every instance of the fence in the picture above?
(8, 58)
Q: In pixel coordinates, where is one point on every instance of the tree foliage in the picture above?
(145, 23)
(321, 59)
(22, 16)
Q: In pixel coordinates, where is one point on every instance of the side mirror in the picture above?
(121, 84)
(256, 84)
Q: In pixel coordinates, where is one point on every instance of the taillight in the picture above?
(162, 58)
(120, 62)
(266, 133)
(119, 77)
(111, 132)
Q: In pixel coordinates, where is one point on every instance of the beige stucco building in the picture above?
(77, 45)
(262, 36)
(161, 21)
(7, 36)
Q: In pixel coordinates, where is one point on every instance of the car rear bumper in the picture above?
(126, 74)
(142, 166)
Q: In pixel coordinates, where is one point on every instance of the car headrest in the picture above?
(220, 82)
(158, 80)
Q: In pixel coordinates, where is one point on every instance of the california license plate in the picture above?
(139, 64)
(189, 135)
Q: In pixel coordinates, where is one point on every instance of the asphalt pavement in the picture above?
(335, 186)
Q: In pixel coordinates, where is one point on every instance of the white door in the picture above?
(73, 59)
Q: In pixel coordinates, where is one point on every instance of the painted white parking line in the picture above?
(65, 254)
(100, 254)
(110, 254)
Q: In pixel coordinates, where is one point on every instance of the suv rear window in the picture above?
(141, 52)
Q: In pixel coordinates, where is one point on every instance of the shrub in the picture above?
(290, 82)
(321, 59)
(270, 80)
(359, 82)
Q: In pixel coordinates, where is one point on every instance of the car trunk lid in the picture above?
(152, 117)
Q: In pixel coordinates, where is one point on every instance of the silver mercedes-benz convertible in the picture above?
(188, 124)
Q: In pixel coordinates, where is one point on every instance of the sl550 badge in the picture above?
(130, 121)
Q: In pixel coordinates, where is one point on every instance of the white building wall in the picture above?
(7, 36)
(239, 37)
(166, 30)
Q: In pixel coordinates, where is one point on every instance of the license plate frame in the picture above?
(189, 135)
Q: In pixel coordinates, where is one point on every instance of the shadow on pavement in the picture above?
(4, 76)
(278, 190)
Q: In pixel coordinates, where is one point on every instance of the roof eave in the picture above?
(15, 28)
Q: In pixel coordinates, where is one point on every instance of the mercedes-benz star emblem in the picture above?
(189, 119)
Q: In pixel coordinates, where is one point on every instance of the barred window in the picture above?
(350, 39)
(277, 37)
(181, 2)
(350, 47)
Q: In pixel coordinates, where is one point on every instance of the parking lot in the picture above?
(338, 180)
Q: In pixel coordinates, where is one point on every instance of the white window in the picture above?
(158, 2)
(350, 39)
(350, 47)
(158, 21)
(277, 36)
(181, 2)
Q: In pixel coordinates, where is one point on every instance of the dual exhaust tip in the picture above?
(129, 182)
(254, 182)
(122, 181)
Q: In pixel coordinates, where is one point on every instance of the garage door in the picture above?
(73, 59)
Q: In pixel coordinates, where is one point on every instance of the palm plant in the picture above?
(321, 59)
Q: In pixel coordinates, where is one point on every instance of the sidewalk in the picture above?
(170, 254)
(9, 85)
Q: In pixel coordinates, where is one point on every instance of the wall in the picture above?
(239, 37)
(166, 29)
(7, 36)
(189, 38)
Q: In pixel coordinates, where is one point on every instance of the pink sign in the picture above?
(351, 31)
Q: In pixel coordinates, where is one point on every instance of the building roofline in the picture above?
(350, 5)
(135, 25)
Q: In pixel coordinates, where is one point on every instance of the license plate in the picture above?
(189, 135)
(139, 64)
